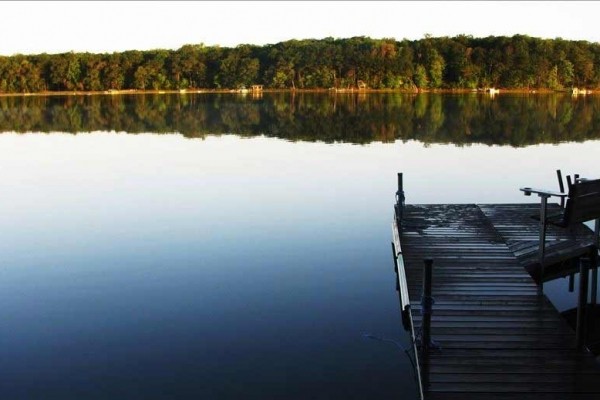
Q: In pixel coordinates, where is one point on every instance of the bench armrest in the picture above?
(542, 193)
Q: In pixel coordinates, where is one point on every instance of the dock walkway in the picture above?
(499, 338)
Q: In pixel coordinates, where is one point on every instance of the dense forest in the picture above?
(519, 62)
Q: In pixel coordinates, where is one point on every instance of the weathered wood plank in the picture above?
(516, 377)
(511, 396)
(515, 387)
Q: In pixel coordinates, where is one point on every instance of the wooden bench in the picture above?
(582, 204)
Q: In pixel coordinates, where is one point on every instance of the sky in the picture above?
(108, 26)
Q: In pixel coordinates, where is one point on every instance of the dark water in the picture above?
(222, 262)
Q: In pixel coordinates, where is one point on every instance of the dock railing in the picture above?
(401, 282)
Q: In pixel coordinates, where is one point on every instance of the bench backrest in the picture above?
(583, 203)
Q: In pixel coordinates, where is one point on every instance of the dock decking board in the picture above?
(499, 338)
(514, 224)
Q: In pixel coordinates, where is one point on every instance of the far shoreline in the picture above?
(114, 92)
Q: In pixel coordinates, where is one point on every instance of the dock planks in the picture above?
(521, 233)
(499, 338)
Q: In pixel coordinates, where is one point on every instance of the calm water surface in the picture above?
(206, 264)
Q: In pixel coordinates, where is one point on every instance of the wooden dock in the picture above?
(498, 337)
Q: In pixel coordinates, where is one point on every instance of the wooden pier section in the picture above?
(498, 337)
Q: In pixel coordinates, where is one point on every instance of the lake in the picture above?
(227, 246)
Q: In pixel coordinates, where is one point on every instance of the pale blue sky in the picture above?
(52, 27)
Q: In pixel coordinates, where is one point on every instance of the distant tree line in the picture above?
(516, 120)
(430, 63)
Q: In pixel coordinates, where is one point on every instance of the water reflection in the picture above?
(516, 120)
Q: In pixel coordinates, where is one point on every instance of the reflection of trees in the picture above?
(517, 120)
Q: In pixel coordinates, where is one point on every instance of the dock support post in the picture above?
(581, 304)
(571, 283)
(594, 290)
(543, 210)
(594, 265)
(561, 187)
(597, 233)
(400, 199)
(426, 306)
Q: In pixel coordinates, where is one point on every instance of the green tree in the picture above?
(436, 69)
(566, 72)
(553, 82)
(420, 77)
(238, 68)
